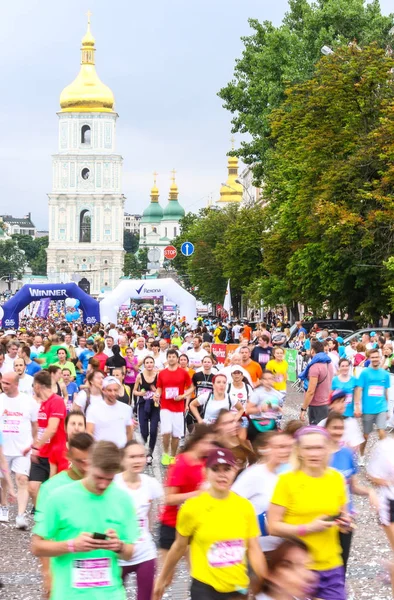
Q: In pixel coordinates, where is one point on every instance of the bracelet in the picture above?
(4, 470)
(71, 546)
(35, 448)
(302, 530)
(303, 409)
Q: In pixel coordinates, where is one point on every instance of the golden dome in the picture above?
(87, 93)
(231, 191)
(174, 191)
(154, 193)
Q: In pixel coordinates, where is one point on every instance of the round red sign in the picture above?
(170, 252)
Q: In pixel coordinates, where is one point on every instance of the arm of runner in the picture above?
(157, 394)
(6, 474)
(186, 393)
(136, 391)
(362, 490)
(83, 543)
(277, 527)
(173, 498)
(309, 395)
(129, 432)
(53, 424)
(193, 407)
(256, 559)
(175, 554)
(240, 409)
(357, 402)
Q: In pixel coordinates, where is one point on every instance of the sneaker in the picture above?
(149, 459)
(361, 461)
(165, 460)
(21, 522)
(4, 514)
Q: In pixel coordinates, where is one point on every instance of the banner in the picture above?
(219, 352)
(291, 357)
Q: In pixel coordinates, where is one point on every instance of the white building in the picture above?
(131, 223)
(251, 193)
(158, 226)
(23, 225)
(86, 206)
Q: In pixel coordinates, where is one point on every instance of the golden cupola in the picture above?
(231, 191)
(87, 93)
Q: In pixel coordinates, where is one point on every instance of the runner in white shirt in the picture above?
(12, 352)
(92, 394)
(143, 490)
(197, 353)
(109, 342)
(236, 360)
(213, 402)
(25, 384)
(187, 344)
(110, 420)
(381, 472)
(140, 351)
(257, 483)
(18, 413)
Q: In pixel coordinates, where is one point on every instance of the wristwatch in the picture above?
(303, 409)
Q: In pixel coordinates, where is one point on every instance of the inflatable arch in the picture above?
(132, 288)
(55, 291)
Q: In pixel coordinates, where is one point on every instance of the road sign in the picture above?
(187, 248)
(154, 265)
(170, 252)
(154, 254)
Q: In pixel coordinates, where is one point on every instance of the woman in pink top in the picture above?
(131, 369)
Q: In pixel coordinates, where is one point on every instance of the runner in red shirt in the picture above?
(184, 480)
(49, 448)
(173, 385)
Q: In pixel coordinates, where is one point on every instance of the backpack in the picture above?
(204, 408)
(222, 335)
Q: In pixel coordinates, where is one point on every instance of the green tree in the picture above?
(34, 250)
(276, 57)
(130, 241)
(329, 185)
(136, 265)
(12, 259)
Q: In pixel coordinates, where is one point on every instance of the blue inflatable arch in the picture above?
(55, 291)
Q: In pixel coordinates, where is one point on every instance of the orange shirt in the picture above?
(247, 332)
(254, 370)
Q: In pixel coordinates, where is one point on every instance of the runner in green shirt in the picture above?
(79, 445)
(83, 565)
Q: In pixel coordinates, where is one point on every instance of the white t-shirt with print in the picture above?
(149, 490)
(110, 421)
(17, 414)
(196, 356)
(82, 399)
(238, 394)
(25, 384)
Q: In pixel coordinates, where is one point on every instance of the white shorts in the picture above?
(19, 464)
(172, 422)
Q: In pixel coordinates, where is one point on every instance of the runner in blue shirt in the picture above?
(374, 383)
(346, 382)
(84, 358)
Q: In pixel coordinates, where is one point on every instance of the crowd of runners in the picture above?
(258, 506)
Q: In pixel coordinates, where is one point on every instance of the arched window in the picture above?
(85, 134)
(85, 226)
(144, 231)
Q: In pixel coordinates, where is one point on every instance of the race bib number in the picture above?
(143, 525)
(202, 390)
(148, 395)
(172, 393)
(376, 391)
(11, 425)
(263, 358)
(226, 554)
(279, 378)
(348, 398)
(91, 573)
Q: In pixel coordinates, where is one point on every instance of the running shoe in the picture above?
(21, 522)
(361, 461)
(149, 459)
(165, 460)
(172, 460)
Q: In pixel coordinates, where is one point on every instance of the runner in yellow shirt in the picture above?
(310, 503)
(279, 367)
(220, 544)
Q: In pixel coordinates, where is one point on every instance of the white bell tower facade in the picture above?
(86, 205)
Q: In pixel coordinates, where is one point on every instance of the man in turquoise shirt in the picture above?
(373, 384)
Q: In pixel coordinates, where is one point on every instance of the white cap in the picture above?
(109, 381)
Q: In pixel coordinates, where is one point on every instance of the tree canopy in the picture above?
(275, 58)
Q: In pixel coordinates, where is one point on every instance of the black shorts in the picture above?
(39, 471)
(202, 591)
(166, 536)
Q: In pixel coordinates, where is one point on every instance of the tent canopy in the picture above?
(146, 288)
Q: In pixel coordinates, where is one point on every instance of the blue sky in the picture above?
(165, 62)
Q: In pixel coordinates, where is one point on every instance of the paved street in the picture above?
(19, 570)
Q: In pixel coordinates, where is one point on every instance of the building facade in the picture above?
(131, 223)
(158, 226)
(86, 205)
(23, 226)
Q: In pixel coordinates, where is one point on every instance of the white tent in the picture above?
(145, 288)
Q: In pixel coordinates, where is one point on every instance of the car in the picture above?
(358, 334)
(341, 325)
